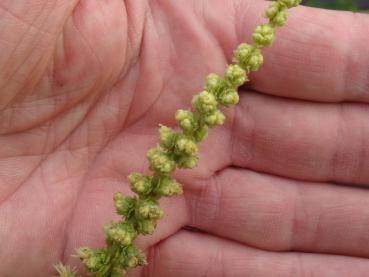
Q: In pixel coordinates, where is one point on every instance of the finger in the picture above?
(196, 254)
(302, 140)
(279, 214)
(319, 55)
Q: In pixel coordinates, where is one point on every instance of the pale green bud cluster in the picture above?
(148, 209)
(168, 187)
(205, 102)
(277, 14)
(215, 84)
(139, 183)
(122, 233)
(229, 98)
(248, 57)
(167, 137)
(123, 205)
(177, 148)
(146, 227)
(216, 118)
(134, 257)
(263, 36)
(186, 121)
(160, 161)
(290, 3)
(235, 75)
(96, 261)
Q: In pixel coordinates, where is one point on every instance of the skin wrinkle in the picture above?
(16, 48)
(365, 154)
(89, 46)
(344, 128)
(130, 122)
(213, 185)
(216, 259)
(347, 63)
(125, 123)
(18, 187)
(47, 119)
(241, 11)
(134, 62)
(353, 61)
(39, 32)
(296, 218)
(13, 99)
(235, 135)
(30, 24)
(43, 157)
(213, 35)
(133, 33)
(299, 215)
(342, 125)
(299, 268)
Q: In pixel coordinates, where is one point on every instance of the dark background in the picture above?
(352, 5)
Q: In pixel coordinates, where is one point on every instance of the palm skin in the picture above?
(84, 86)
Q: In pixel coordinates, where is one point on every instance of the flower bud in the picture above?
(290, 3)
(280, 19)
(139, 183)
(185, 120)
(235, 75)
(273, 9)
(188, 162)
(120, 232)
(187, 146)
(201, 133)
(248, 57)
(134, 257)
(277, 14)
(159, 161)
(215, 84)
(132, 262)
(168, 187)
(124, 205)
(256, 60)
(146, 227)
(217, 118)
(96, 261)
(148, 209)
(263, 35)
(230, 98)
(167, 137)
(204, 102)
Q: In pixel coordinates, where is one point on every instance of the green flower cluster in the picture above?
(177, 149)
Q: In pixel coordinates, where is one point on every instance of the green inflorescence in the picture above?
(177, 149)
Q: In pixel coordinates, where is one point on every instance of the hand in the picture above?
(84, 85)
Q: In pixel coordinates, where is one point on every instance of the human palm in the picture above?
(84, 85)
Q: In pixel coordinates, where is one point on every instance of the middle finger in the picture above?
(279, 214)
